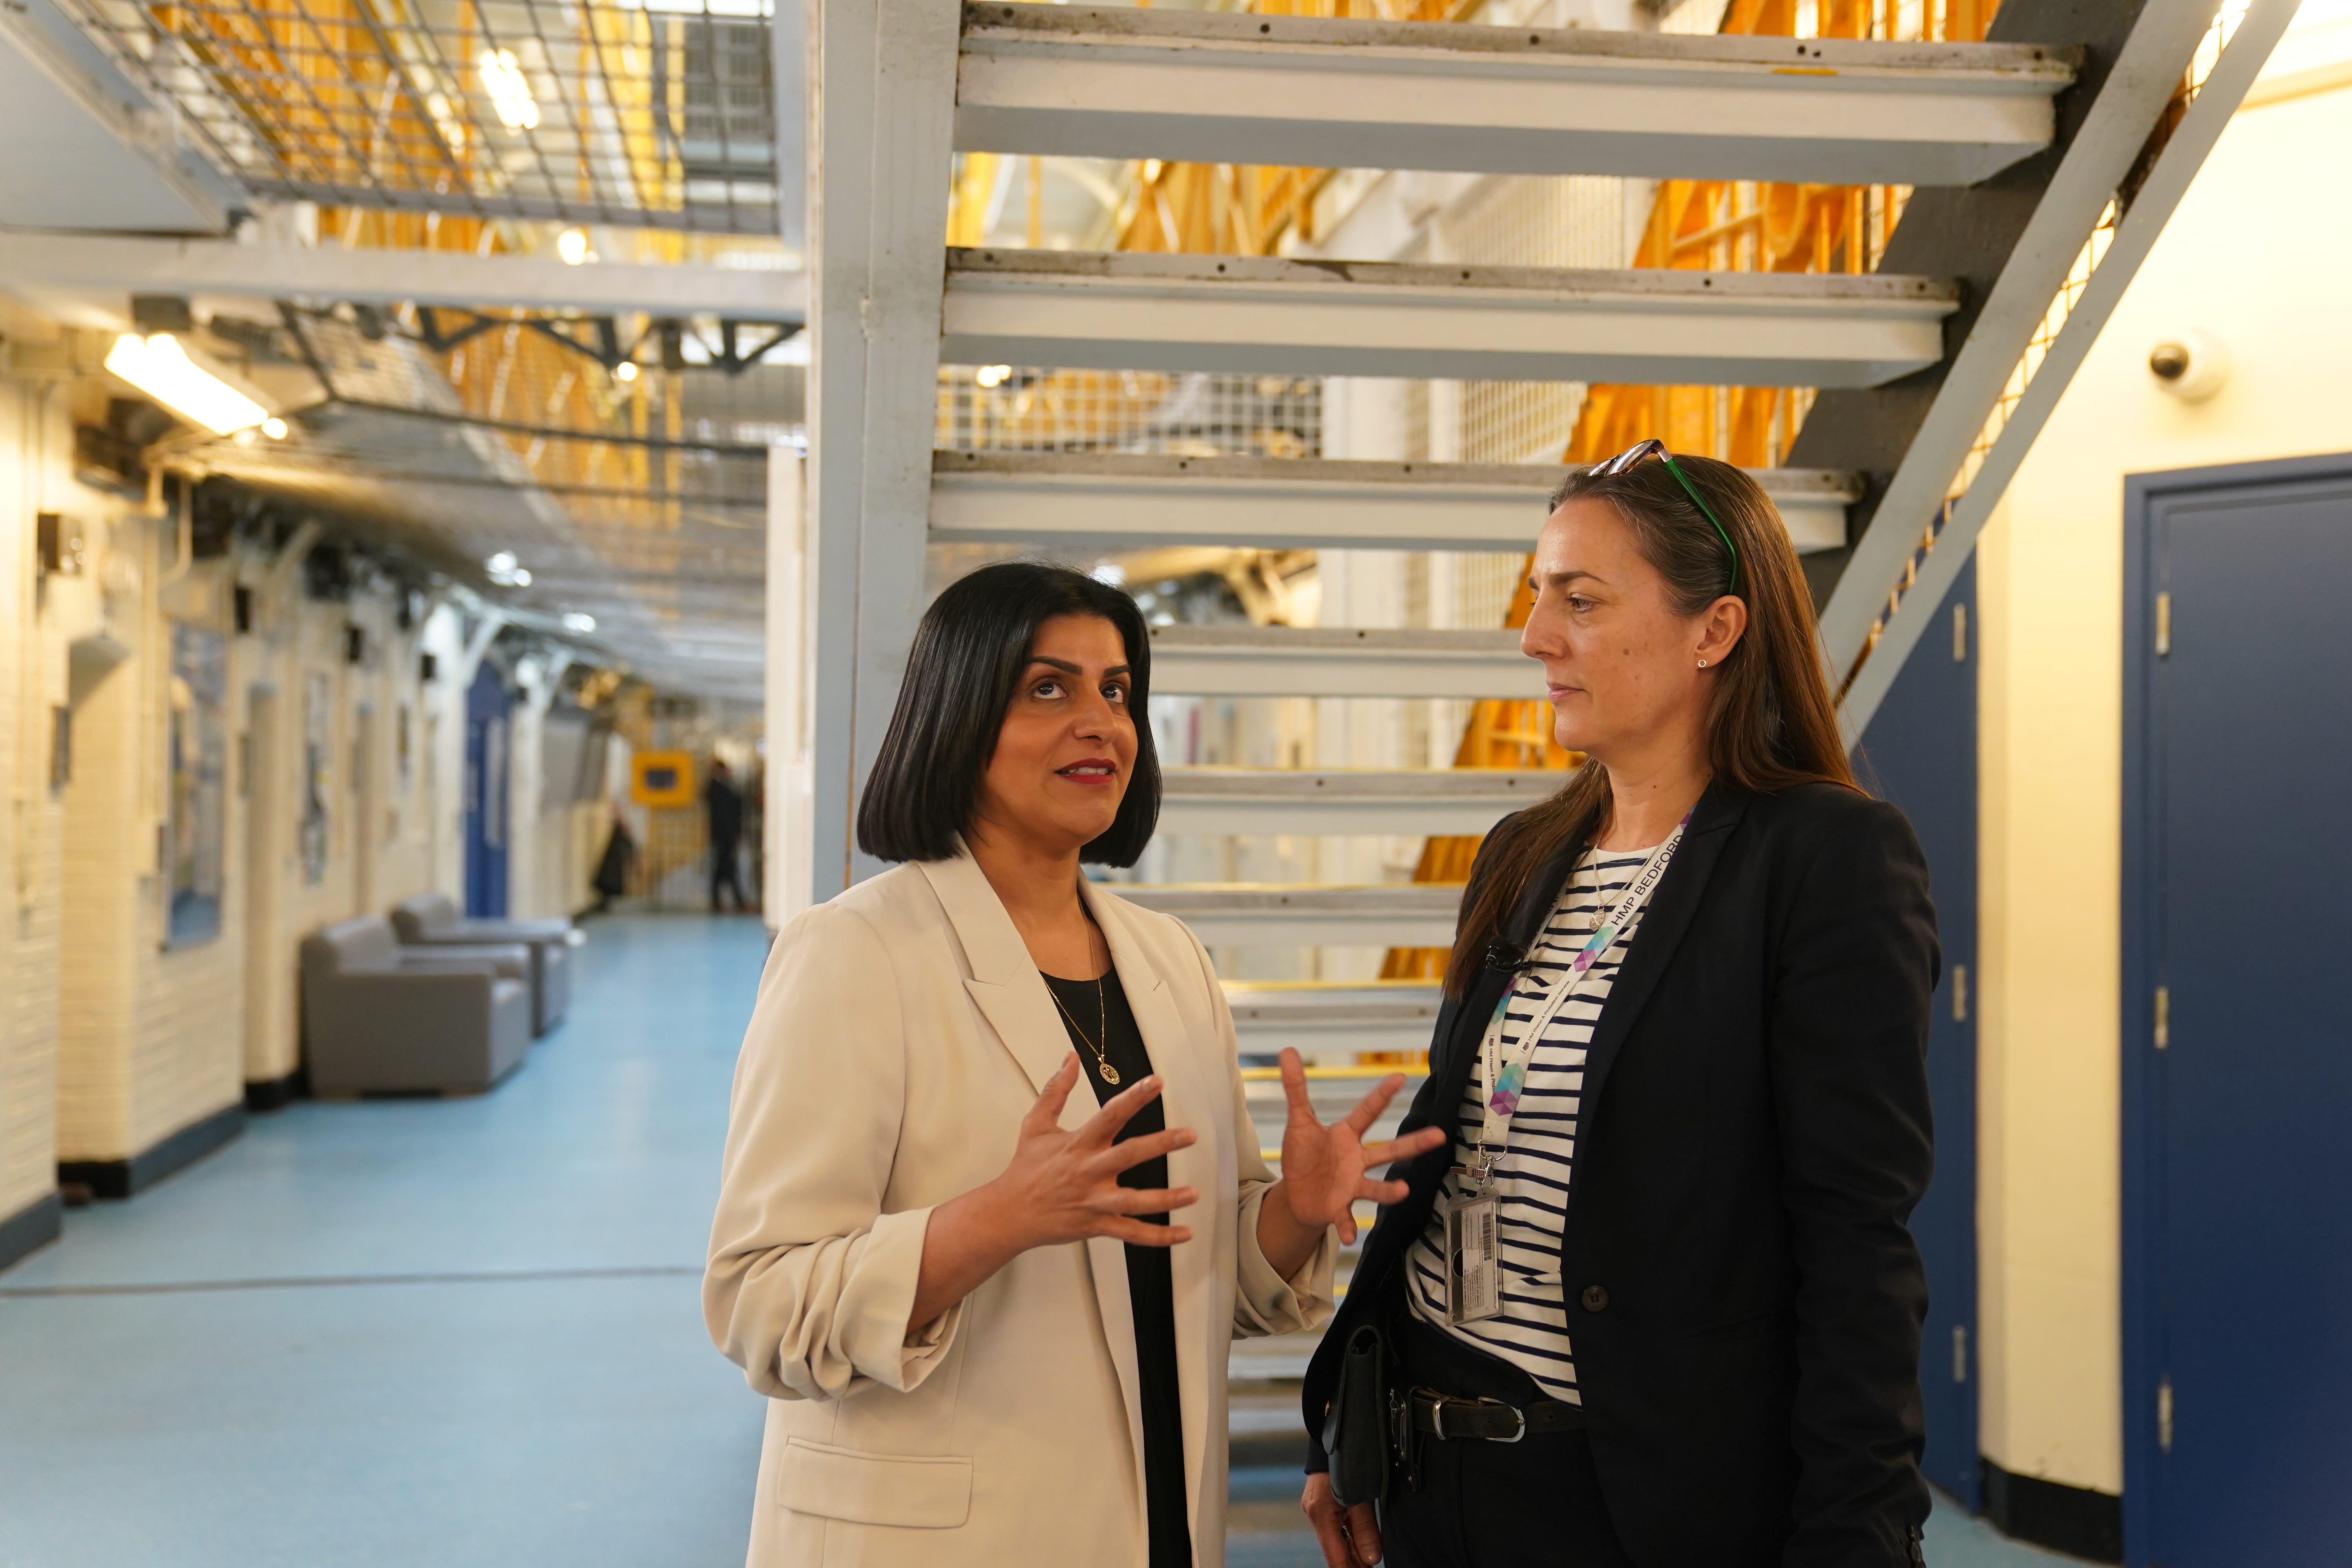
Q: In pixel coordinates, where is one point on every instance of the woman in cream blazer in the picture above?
(905, 1058)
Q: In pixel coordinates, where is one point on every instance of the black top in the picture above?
(1098, 1013)
(1745, 1297)
(725, 803)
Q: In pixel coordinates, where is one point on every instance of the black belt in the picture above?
(1491, 1420)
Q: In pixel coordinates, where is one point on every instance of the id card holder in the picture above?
(1474, 1271)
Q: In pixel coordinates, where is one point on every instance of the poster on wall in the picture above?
(318, 726)
(198, 829)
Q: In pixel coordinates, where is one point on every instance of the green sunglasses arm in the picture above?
(1707, 512)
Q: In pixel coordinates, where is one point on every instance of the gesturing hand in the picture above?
(1060, 1187)
(1064, 1186)
(1323, 1167)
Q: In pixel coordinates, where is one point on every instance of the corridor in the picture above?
(403, 1331)
(450, 1331)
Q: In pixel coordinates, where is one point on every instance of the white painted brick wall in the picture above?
(149, 1040)
(32, 681)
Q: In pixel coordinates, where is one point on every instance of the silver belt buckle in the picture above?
(1437, 1417)
(1517, 1414)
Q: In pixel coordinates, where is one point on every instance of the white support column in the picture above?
(880, 163)
(786, 880)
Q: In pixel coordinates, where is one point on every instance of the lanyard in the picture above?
(1501, 1080)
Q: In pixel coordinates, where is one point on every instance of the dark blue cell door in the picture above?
(487, 794)
(2237, 1038)
(1920, 752)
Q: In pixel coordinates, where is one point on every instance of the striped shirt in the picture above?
(1531, 1332)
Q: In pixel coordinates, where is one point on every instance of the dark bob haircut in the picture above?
(969, 654)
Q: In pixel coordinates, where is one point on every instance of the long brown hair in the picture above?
(1771, 722)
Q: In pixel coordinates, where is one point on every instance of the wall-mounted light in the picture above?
(579, 621)
(2191, 365)
(509, 89)
(162, 369)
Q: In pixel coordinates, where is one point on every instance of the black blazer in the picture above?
(1754, 1133)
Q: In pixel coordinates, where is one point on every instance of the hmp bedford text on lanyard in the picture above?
(1474, 1251)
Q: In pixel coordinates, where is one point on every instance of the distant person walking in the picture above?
(612, 871)
(725, 804)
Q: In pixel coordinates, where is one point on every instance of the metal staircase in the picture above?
(2020, 149)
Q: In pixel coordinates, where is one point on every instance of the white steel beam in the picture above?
(1271, 316)
(879, 162)
(1466, 800)
(2166, 182)
(1269, 914)
(1334, 1020)
(2146, 74)
(1315, 92)
(1123, 501)
(138, 265)
(1339, 662)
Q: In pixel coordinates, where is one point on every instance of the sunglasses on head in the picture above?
(1657, 449)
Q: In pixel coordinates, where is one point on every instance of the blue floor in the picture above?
(452, 1332)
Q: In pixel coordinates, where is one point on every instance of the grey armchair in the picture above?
(377, 1016)
(431, 920)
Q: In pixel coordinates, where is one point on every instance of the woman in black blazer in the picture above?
(1703, 1346)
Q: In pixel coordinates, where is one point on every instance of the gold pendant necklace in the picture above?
(1102, 1028)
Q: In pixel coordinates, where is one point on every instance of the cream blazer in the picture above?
(902, 1034)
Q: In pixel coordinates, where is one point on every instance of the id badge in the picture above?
(1474, 1274)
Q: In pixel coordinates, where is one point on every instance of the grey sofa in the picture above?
(431, 920)
(378, 1016)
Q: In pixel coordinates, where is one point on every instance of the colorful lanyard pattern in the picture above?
(1507, 1079)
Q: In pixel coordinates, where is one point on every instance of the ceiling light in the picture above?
(521, 578)
(573, 246)
(579, 622)
(162, 369)
(274, 428)
(992, 374)
(502, 565)
(625, 370)
(509, 89)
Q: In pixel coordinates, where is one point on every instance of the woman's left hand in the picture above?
(1323, 1167)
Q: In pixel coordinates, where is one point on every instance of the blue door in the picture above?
(485, 795)
(1920, 752)
(2237, 1043)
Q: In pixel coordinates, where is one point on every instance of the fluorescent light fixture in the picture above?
(509, 89)
(578, 621)
(992, 374)
(162, 369)
(274, 428)
(573, 246)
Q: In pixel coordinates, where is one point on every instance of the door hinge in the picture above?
(2164, 1415)
(2163, 1016)
(1959, 634)
(2163, 625)
(1959, 1353)
(1959, 994)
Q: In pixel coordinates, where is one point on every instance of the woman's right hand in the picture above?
(1064, 1186)
(1350, 1537)
(1059, 1187)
